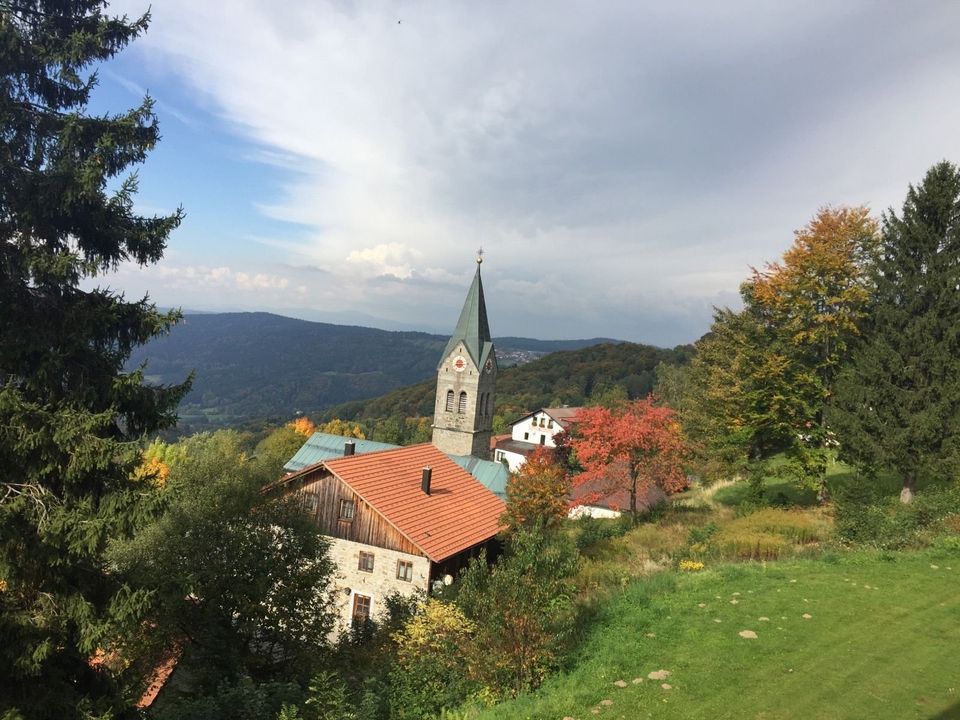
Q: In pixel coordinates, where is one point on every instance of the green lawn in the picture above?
(882, 641)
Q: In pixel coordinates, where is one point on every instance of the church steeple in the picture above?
(466, 380)
(472, 328)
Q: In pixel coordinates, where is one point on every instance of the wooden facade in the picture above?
(321, 493)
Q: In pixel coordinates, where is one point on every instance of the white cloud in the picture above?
(634, 156)
(395, 259)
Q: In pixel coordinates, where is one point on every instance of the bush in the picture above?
(243, 699)
(701, 535)
(433, 665)
(523, 610)
(863, 518)
(593, 530)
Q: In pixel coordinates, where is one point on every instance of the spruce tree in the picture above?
(71, 417)
(898, 401)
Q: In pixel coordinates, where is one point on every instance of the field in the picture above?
(846, 635)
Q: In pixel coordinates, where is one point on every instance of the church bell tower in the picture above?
(466, 381)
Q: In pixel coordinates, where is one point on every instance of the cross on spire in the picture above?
(480, 255)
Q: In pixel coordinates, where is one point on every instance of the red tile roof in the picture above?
(458, 513)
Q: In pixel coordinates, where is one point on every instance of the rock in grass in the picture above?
(659, 675)
(748, 634)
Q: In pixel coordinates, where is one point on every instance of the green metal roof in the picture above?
(492, 475)
(324, 446)
(472, 329)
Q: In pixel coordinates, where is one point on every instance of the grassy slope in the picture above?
(889, 651)
(838, 474)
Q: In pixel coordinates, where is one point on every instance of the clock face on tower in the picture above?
(459, 363)
(489, 366)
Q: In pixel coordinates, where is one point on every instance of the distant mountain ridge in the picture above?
(261, 365)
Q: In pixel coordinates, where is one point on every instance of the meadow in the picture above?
(785, 620)
(855, 635)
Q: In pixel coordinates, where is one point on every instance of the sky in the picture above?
(622, 164)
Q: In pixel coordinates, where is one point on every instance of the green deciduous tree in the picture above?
(238, 579)
(71, 416)
(898, 401)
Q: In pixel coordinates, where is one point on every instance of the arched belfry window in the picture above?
(487, 410)
(462, 407)
(449, 407)
(483, 397)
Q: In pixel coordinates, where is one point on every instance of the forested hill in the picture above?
(561, 378)
(253, 366)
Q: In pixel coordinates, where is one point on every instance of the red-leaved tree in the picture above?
(634, 447)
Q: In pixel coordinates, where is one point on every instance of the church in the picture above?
(405, 519)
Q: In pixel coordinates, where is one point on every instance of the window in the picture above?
(499, 456)
(404, 570)
(483, 400)
(543, 439)
(549, 423)
(526, 436)
(542, 420)
(310, 502)
(462, 406)
(361, 609)
(366, 562)
(449, 405)
(487, 413)
(347, 509)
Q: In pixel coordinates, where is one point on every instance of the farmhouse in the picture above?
(399, 520)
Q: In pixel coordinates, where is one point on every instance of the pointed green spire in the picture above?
(472, 329)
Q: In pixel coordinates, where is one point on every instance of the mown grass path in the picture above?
(882, 640)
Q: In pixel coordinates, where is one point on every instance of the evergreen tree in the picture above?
(71, 417)
(898, 402)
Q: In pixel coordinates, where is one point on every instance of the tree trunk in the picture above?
(909, 480)
(633, 495)
(823, 493)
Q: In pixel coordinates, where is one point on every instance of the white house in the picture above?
(532, 431)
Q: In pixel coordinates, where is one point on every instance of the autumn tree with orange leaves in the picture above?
(817, 297)
(764, 376)
(815, 302)
(537, 492)
(634, 447)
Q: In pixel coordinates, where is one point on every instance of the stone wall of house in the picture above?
(376, 585)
